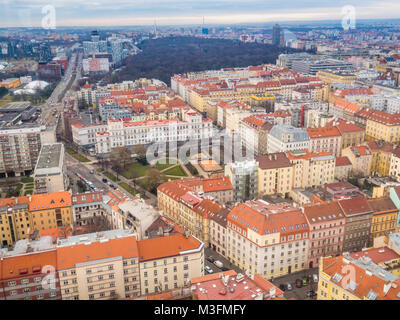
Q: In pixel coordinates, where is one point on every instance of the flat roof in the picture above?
(50, 156)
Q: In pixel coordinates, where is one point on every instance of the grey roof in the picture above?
(297, 134)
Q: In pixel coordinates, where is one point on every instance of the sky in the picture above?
(28, 13)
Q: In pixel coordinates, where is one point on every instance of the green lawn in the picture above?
(27, 180)
(177, 171)
(76, 155)
(162, 166)
(137, 168)
(110, 176)
(128, 188)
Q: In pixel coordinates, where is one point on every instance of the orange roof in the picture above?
(377, 255)
(50, 201)
(69, 256)
(217, 184)
(364, 282)
(12, 266)
(347, 106)
(343, 161)
(354, 206)
(323, 132)
(164, 247)
(210, 165)
(266, 219)
(345, 126)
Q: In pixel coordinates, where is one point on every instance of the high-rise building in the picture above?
(276, 35)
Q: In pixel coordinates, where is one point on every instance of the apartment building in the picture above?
(49, 175)
(369, 281)
(28, 272)
(311, 169)
(325, 139)
(85, 135)
(275, 174)
(253, 132)
(89, 206)
(384, 218)
(381, 156)
(270, 240)
(343, 168)
(345, 110)
(358, 213)
(218, 231)
(19, 150)
(183, 205)
(284, 138)
(169, 262)
(218, 189)
(383, 126)
(244, 178)
(352, 135)
(38, 212)
(121, 133)
(360, 158)
(394, 170)
(99, 266)
(327, 227)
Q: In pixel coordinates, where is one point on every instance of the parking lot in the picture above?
(298, 293)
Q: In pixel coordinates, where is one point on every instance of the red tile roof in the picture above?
(164, 247)
(353, 206)
(342, 161)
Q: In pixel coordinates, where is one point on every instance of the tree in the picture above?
(140, 151)
(120, 155)
(155, 178)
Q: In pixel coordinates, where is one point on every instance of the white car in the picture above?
(208, 269)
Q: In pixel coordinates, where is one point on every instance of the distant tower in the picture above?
(155, 29)
(204, 30)
(276, 35)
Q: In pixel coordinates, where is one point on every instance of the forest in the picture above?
(162, 58)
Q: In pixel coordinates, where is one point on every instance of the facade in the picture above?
(218, 231)
(358, 214)
(169, 262)
(49, 175)
(244, 178)
(352, 135)
(381, 156)
(327, 139)
(360, 158)
(99, 266)
(343, 168)
(327, 225)
(189, 208)
(311, 169)
(384, 218)
(19, 150)
(270, 240)
(369, 282)
(394, 170)
(284, 138)
(254, 134)
(275, 174)
(87, 206)
(24, 274)
(36, 212)
(122, 133)
(383, 126)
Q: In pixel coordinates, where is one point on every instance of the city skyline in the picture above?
(175, 12)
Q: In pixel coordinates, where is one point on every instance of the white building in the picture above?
(283, 138)
(120, 133)
(49, 171)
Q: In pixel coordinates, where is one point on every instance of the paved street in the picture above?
(208, 252)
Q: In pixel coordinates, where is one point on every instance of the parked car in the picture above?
(299, 283)
(224, 269)
(211, 259)
(289, 287)
(282, 287)
(315, 276)
(219, 264)
(91, 171)
(305, 281)
(104, 180)
(311, 294)
(208, 269)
